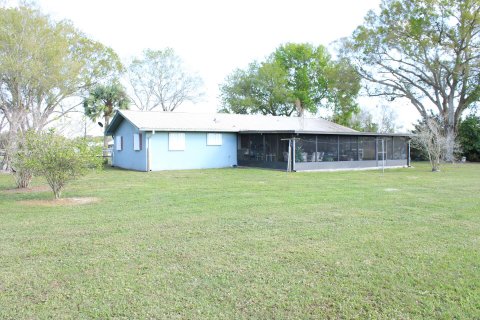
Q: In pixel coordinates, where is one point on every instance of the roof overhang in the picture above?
(185, 130)
(353, 133)
(117, 119)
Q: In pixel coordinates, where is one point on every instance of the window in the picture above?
(119, 143)
(137, 141)
(214, 139)
(176, 141)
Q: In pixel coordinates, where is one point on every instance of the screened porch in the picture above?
(321, 151)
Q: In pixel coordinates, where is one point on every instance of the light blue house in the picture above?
(153, 141)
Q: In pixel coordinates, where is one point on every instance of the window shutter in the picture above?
(214, 139)
(137, 141)
(118, 143)
(176, 141)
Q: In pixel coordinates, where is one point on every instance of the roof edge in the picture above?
(115, 123)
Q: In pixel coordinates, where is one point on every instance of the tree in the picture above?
(262, 88)
(22, 172)
(469, 137)
(293, 79)
(363, 121)
(44, 65)
(103, 101)
(432, 140)
(56, 158)
(159, 79)
(426, 51)
(384, 120)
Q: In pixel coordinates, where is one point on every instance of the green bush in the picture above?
(56, 158)
(469, 137)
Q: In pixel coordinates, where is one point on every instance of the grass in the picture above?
(246, 243)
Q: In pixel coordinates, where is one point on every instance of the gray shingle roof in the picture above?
(221, 122)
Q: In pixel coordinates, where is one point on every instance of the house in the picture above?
(152, 141)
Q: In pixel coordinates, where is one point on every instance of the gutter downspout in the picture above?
(293, 155)
(409, 159)
(114, 148)
(147, 150)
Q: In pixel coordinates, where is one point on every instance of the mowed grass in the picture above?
(246, 243)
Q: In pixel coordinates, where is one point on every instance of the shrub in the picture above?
(469, 137)
(57, 158)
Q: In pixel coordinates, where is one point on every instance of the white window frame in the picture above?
(176, 141)
(214, 139)
(118, 143)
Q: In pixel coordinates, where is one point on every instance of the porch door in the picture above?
(381, 152)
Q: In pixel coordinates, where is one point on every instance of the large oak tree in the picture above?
(45, 67)
(425, 51)
(295, 78)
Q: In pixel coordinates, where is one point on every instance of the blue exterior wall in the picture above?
(128, 158)
(197, 155)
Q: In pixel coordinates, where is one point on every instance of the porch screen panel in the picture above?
(348, 148)
(283, 147)
(327, 146)
(399, 148)
(389, 147)
(272, 146)
(257, 147)
(366, 148)
(305, 148)
(244, 150)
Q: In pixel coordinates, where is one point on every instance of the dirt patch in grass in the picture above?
(27, 190)
(60, 202)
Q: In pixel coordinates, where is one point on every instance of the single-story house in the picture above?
(152, 141)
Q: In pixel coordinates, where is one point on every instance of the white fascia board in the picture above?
(187, 130)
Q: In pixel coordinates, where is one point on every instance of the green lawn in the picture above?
(246, 243)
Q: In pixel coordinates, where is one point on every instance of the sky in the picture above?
(215, 37)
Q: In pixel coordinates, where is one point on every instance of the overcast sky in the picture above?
(212, 37)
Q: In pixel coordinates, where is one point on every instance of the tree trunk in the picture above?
(450, 144)
(299, 107)
(10, 145)
(23, 178)
(450, 130)
(105, 137)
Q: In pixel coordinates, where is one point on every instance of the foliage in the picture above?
(159, 79)
(299, 153)
(22, 172)
(363, 121)
(431, 138)
(103, 101)
(384, 122)
(56, 158)
(43, 65)
(417, 152)
(425, 51)
(469, 137)
(262, 88)
(293, 79)
(260, 244)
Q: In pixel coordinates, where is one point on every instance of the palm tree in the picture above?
(103, 101)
